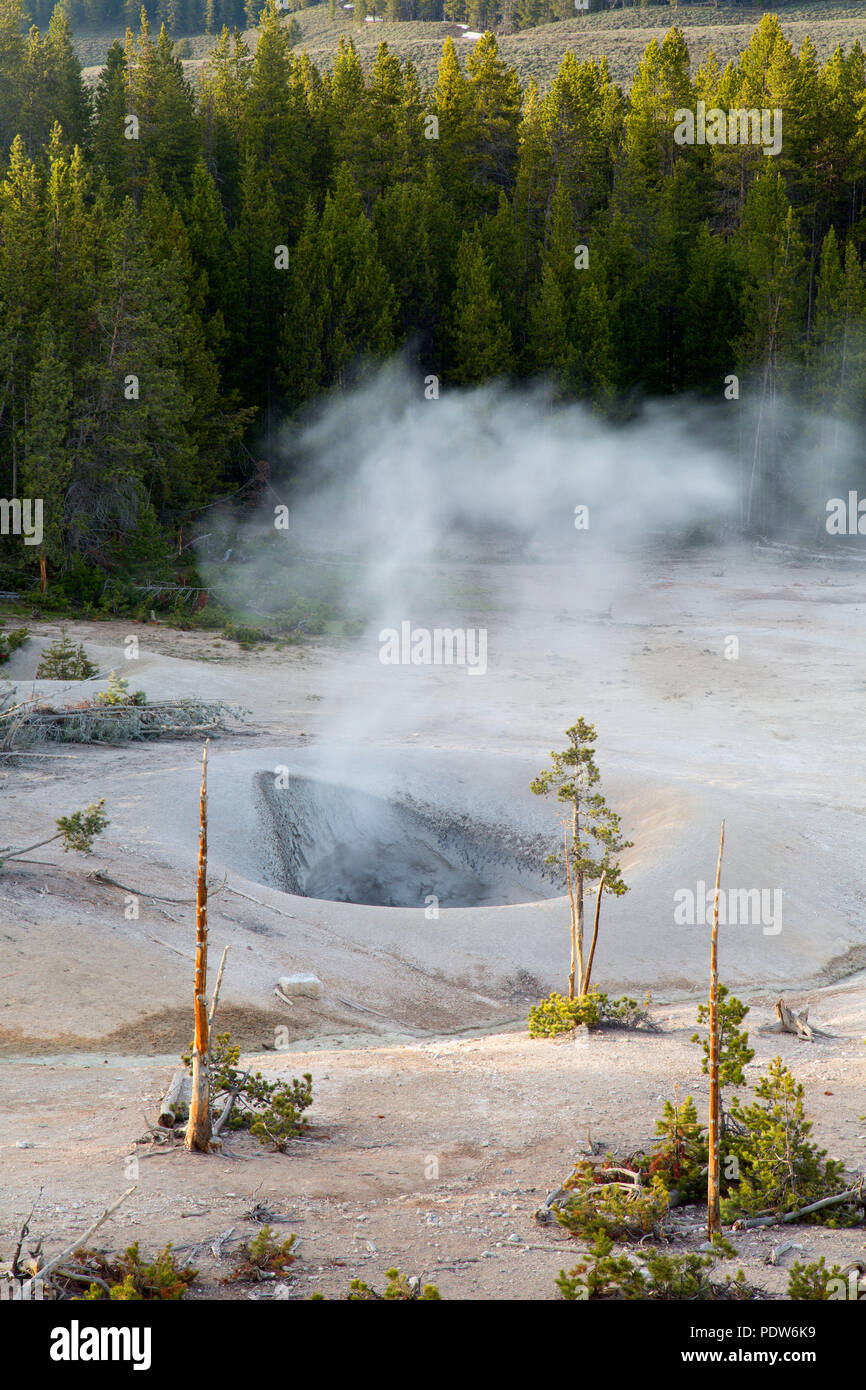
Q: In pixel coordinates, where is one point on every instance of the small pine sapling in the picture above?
(63, 661)
(779, 1169)
(813, 1282)
(681, 1153)
(399, 1289)
(600, 1205)
(602, 1275)
(264, 1256)
(131, 1278)
(77, 832)
(117, 692)
(665, 1278)
(734, 1050)
(556, 1014)
(11, 641)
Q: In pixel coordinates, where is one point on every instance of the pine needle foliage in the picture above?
(780, 1169)
(556, 1014)
(272, 1111)
(130, 1278)
(681, 1153)
(620, 1211)
(682, 1278)
(64, 661)
(11, 641)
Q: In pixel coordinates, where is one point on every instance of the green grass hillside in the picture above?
(621, 35)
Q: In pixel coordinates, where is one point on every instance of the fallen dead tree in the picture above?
(77, 831)
(38, 1271)
(856, 1194)
(789, 1022)
(33, 722)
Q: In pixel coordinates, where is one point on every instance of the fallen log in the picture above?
(80, 1242)
(746, 1223)
(178, 1094)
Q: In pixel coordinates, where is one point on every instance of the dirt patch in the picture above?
(154, 1035)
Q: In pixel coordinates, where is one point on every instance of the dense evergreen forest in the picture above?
(182, 270)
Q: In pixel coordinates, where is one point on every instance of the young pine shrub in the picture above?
(734, 1050)
(602, 1275)
(681, 1156)
(281, 1117)
(272, 1111)
(63, 661)
(131, 1279)
(399, 1289)
(597, 1205)
(666, 1278)
(264, 1256)
(556, 1014)
(779, 1169)
(11, 641)
(118, 693)
(813, 1282)
(77, 831)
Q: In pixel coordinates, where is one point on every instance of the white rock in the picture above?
(309, 985)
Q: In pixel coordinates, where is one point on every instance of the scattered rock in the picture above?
(308, 985)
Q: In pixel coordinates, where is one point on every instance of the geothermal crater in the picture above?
(347, 845)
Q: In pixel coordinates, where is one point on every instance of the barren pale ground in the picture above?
(438, 1127)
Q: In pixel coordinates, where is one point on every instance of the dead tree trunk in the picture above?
(178, 1094)
(714, 1216)
(789, 1022)
(571, 972)
(198, 1133)
(591, 956)
(578, 893)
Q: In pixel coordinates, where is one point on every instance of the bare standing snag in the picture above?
(198, 1132)
(714, 1215)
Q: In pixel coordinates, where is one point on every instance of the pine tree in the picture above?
(111, 148)
(47, 462)
(553, 308)
(174, 137)
(454, 148)
(134, 462)
(710, 313)
(780, 1168)
(70, 100)
(661, 86)
(13, 77)
(480, 344)
(494, 100)
(25, 287)
(224, 87)
(837, 360)
(275, 119)
(342, 305)
(770, 253)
